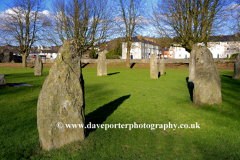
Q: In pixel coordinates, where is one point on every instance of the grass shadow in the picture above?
(109, 74)
(133, 64)
(159, 74)
(227, 76)
(190, 86)
(100, 115)
(84, 65)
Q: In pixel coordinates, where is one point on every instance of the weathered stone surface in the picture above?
(207, 82)
(153, 67)
(38, 66)
(102, 64)
(61, 100)
(7, 56)
(236, 74)
(162, 66)
(2, 80)
(192, 65)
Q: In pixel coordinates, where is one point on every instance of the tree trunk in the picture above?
(128, 54)
(24, 64)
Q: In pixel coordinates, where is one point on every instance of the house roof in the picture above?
(224, 38)
(146, 41)
(220, 38)
(164, 49)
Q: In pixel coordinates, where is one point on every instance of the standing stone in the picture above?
(38, 66)
(207, 82)
(2, 80)
(61, 100)
(102, 64)
(192, 65)
(153, 67)
(6, 56)
(162, 66)
(236, 74)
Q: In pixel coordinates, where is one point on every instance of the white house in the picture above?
(180, 53)
(220, 46)
(49, 52)
(140, 49)
(224, 49)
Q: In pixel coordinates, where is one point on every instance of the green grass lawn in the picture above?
(126, 96)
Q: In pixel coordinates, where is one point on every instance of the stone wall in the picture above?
(31, 60)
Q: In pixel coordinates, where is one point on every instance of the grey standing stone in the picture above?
(6, 56)
(192, 65)
(102, 64)
(236, 74)
(153, 67)
(162, 66)
(207, 82)
(38, 66)
(2, 80)
(61, 100)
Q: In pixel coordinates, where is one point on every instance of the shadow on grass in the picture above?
(159, 74)
(84, 65)
(190, 86)
(109, 74)
(227, 76)
(100, 115)
(133, 64)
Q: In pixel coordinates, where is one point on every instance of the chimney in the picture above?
(220, 35)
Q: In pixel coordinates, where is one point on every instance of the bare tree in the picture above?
(232, 18)
(129, 18)
(21, 23)
(88, 21)
(191, 21)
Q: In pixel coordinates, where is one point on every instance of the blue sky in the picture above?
(3, 3)
(3, 7)
(146, 32)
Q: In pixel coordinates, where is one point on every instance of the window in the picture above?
(179, 55)
(217, 55)
(179, 49)
(227, 48)
(227, 55)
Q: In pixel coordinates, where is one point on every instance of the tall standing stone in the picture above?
(192, 65)
(236, 74)
(102, 64)
(161, 66)
(61, 100)
(2, 80)
(7, 56)
(38, 66)
(207, 82)
(153, 67)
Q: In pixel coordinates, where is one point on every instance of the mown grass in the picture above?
(126, 96)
